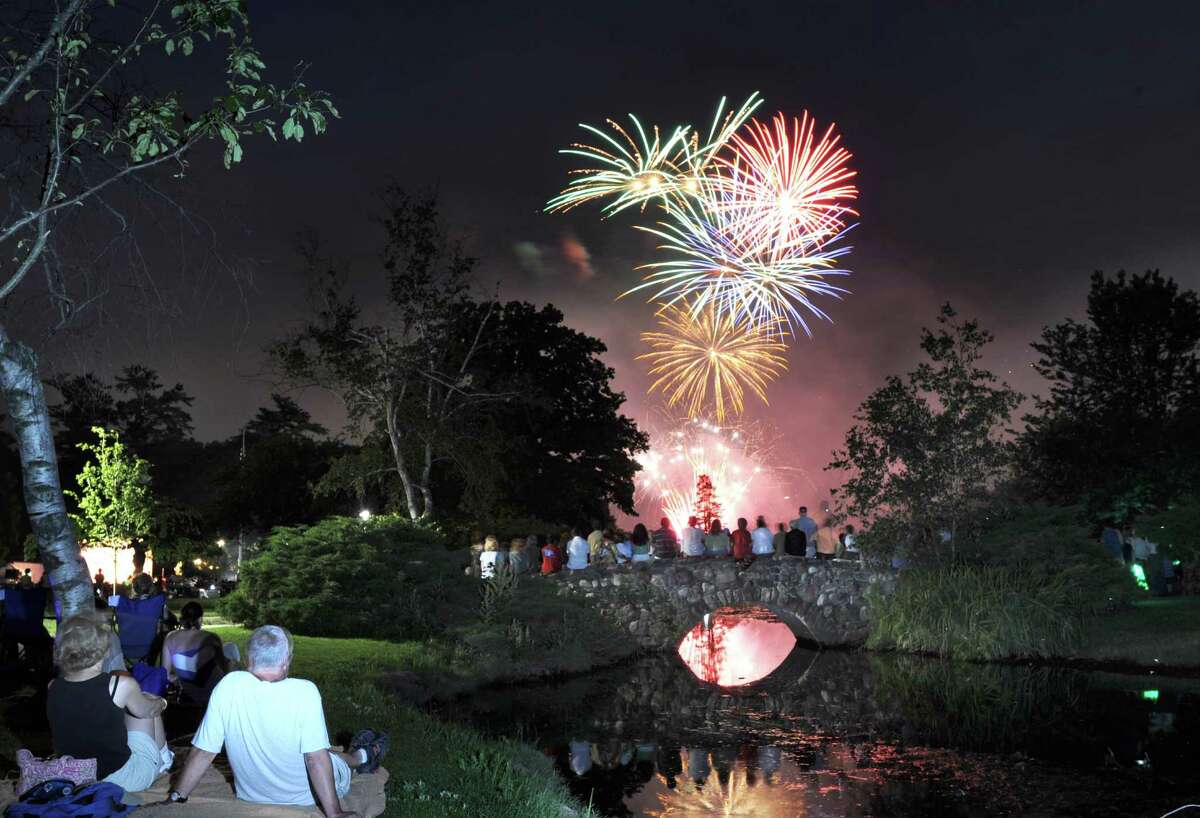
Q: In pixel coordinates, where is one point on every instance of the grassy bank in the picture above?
(1154, 633)
(437, 769)
(1005, 613)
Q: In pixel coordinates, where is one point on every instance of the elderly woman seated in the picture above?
(105, 716)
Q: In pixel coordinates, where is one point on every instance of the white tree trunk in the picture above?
(22, 389)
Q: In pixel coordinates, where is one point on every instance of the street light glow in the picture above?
(365, 514)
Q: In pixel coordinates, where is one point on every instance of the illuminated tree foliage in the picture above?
(927, 447)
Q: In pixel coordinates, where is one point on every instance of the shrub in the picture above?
(979, 612)
(1053, 540)
(1176, 529)
(382, 578)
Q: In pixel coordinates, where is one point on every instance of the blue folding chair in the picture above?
(26, 640)
(137, 625)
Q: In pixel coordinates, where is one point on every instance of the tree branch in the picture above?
(39, 56)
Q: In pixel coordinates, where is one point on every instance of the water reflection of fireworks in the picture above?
(735, 457)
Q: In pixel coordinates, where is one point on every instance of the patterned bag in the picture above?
(36, 770)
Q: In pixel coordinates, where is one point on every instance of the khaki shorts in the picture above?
(341, 774)
(139, 772)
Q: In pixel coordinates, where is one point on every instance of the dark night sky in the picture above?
(1005, 150)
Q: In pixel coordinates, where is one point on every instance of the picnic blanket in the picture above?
(213, 797)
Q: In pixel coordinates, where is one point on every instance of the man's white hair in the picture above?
(270, 648)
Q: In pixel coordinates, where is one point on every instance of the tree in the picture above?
(13, 525)
(286, 419)
(153, 419)
(563, 425)
(117, 507)
(150, 414)
(79, 135)
(926, 448)
(281, 460)
(1120, 428)
(410, 375)
(85, 402)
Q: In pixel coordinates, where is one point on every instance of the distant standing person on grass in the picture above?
(577, 551)
(1113, 542)
(666, 544)
(762, 544)
(273, 731)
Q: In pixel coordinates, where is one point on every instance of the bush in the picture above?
(1054, 540)
(978, 612)
(383, 578)
(1176, 529)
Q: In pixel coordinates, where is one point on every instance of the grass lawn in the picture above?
(437, 769)
(1162, 632)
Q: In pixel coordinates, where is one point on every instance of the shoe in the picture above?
(166, 759)
(375, 745)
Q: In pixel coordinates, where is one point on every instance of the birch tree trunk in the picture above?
(22, 389)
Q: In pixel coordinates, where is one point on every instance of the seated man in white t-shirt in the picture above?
(273, 731)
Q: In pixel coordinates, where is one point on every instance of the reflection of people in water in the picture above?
(698, 765)
(749, 759)
(669, 764)
(581, 757)
(769, 759)
(723, 759)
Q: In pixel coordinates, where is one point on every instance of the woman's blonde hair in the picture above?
(82, 642)
(490, 543)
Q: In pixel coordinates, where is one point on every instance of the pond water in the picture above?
(847, 733)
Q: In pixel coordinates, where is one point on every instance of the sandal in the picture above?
(375, 745)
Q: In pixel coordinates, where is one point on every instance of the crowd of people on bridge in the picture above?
(581, 548)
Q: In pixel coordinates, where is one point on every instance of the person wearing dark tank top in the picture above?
(100, 715)
(86, 723)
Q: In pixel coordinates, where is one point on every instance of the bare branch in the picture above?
(39, 56)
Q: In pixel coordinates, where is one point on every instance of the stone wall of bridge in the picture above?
(657, 602)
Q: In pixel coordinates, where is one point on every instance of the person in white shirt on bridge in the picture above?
(692, 541)
(762, 541)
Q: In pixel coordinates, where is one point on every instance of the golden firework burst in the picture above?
(703, 352)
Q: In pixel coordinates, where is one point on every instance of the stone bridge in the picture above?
(658, 602)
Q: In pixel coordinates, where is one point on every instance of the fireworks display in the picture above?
(696, 356)
(751, 219)
(732, 457)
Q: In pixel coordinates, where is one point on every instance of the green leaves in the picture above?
(927, 447)
(116, 503)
